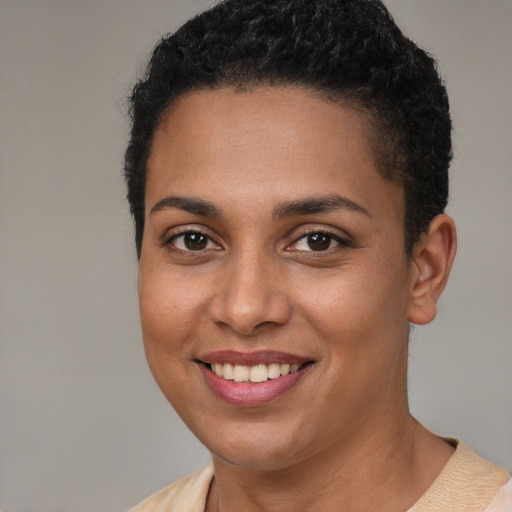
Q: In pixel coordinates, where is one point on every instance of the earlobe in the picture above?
(431, 264)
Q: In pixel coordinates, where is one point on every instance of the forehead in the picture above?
(277, 142)
(265, 116)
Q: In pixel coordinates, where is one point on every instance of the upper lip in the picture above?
(252, 358)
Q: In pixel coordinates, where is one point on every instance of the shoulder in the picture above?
(502, 502)
(185, 495)
(467, 483)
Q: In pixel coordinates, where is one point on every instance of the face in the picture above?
(273, 283)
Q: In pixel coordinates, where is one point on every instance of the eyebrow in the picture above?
(188, 204)
(310, 206)
(306, 206)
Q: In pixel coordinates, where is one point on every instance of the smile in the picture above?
(254, 374)
(252, 379)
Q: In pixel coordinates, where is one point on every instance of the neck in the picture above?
(392, 466)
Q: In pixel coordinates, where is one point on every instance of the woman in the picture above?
(288, 174)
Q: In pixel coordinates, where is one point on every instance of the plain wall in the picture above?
(83, 428)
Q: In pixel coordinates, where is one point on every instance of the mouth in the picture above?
(254, 374)
(250, 379)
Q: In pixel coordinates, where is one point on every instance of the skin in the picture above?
(258, 285)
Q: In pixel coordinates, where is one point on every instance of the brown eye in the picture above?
(193, 241)
(319, 241)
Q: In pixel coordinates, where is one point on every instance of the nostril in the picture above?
(263, 325)
(250, 299)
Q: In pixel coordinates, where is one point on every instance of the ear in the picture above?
(431, 263)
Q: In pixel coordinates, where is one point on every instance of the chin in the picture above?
(255, 447)
(268, 459)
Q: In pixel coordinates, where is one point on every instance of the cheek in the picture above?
(356, 301)
(167, 302)
(360, 314)
(168, 311)
(166, 323)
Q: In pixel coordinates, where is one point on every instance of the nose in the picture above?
(251, 296)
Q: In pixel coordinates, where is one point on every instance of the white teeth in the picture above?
(258, 373)
(274, 371)
(227, 371)
(241, 373)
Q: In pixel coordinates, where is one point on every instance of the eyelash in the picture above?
(333, 237)
(171, 241)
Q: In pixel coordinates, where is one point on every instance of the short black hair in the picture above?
(350, 51)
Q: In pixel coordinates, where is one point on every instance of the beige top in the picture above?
(467, 483)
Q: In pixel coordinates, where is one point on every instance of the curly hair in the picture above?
(349, 51)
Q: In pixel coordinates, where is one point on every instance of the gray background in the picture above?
(82, 425)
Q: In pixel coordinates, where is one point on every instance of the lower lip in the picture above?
(249, 395)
